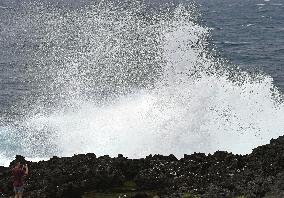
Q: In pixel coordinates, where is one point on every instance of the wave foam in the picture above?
(186, 101)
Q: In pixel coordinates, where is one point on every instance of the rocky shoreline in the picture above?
(222, 174)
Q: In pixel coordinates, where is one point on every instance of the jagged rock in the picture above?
(223, 174)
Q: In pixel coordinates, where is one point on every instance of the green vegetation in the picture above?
(108, 195)
(188, 195)
(115, 194)
(128, 189)
(127, 186)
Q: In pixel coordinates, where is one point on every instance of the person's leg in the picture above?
(16, 192)
(20, 192)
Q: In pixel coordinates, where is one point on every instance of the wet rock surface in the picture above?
(222, 174)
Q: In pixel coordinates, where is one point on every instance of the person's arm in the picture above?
(27, 169)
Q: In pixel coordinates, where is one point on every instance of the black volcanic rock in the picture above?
(223, 174)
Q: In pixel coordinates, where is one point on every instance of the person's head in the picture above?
(18, 164)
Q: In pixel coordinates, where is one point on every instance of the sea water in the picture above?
(138, 77)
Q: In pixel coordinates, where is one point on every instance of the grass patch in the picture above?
(128, 189)
(116, 195)
(107, 195)
(127, 186)
(188, 195)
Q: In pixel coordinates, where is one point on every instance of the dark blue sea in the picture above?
(248, 33)
(139, 77)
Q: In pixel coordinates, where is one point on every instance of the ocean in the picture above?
(139, 77)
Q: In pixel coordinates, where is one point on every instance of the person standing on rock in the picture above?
(18, 177)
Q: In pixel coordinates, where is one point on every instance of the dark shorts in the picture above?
(19, 189)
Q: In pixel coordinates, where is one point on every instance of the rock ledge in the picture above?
(222, 174)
